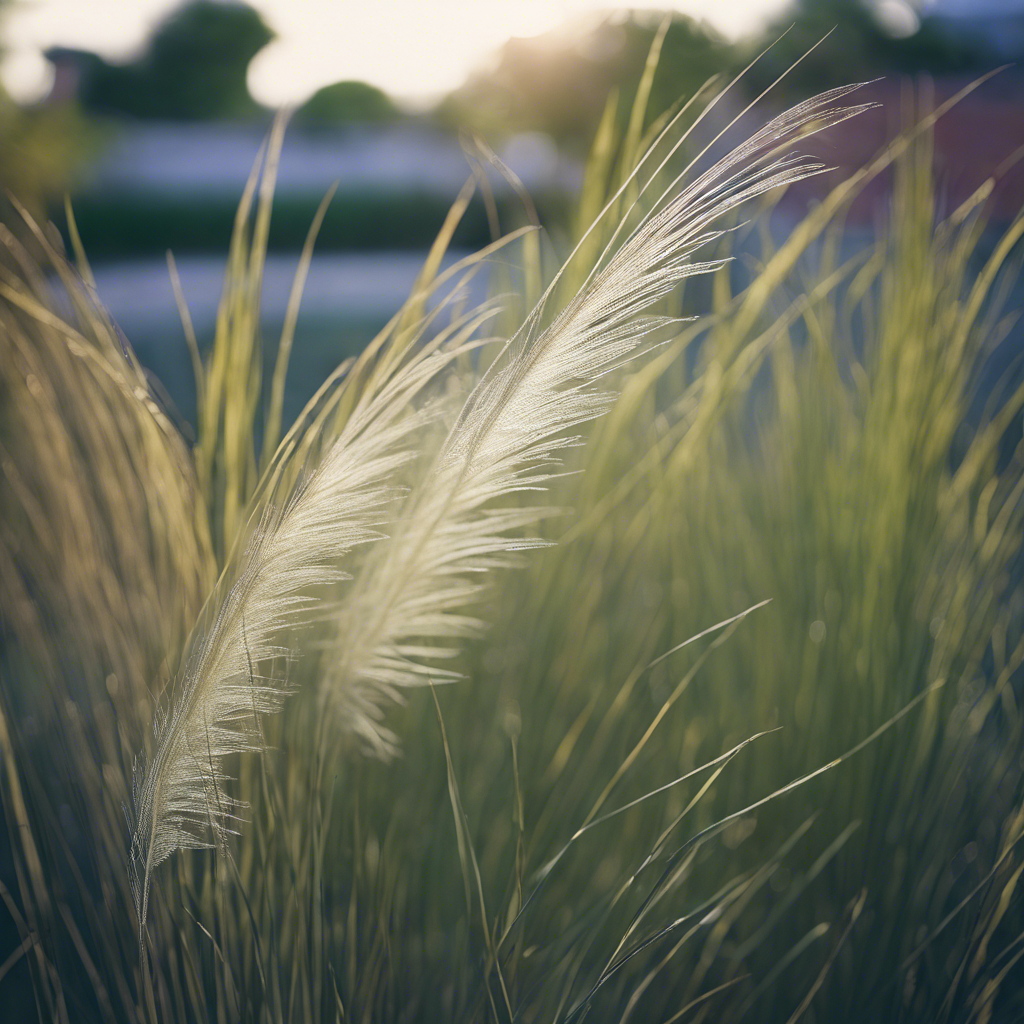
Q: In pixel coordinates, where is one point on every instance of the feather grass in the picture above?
(845, 495)
(410, 602)
(270, 586)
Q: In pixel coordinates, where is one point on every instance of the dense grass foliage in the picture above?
(642, 793)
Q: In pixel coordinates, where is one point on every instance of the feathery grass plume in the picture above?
(409, 600)
(294, 546)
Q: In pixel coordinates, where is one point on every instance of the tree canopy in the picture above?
(193, 67)
(559, 83)
(347, 103)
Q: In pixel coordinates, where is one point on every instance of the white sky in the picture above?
(414, 49)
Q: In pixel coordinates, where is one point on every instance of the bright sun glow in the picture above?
(415, 49)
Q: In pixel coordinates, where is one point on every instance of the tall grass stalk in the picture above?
(649, 795)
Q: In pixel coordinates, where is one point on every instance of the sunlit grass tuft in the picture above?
(742, 743)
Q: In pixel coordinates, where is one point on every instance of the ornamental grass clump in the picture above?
(737, 739)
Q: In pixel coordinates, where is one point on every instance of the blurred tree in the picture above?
(193, 67)
(347, 103)
(41, 147)
(868, 38)
(558, 83)
(40, 150)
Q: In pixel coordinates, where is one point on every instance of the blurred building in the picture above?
(981, 138)
(69, 67)
(217, 157)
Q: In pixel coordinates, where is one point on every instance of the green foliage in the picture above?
(347, 103)
(119, 225)
(858, 48)
(559, 83)
(815, 457)
(839, 489)
(193, 67)
(41, 152)
(597, 818)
